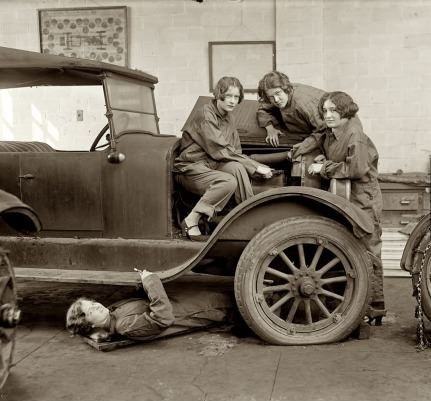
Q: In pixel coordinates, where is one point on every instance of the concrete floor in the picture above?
(212, 365)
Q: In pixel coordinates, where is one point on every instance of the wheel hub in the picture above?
(307, 287)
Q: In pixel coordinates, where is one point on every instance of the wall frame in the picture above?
(95, 33)
(249, 61)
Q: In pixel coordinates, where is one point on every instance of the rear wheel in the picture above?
(303, 280)
(9, 316)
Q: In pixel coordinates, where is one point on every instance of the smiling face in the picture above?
(231, 99)
(278, 97)
(95, 313)
(331, 115)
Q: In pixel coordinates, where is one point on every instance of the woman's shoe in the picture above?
(375, 313)
(185, 233)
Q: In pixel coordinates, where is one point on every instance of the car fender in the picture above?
(252, 215)
(17, 214)
(415, 243)
(287, 202)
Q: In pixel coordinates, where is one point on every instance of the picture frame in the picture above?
(248, 61)
(95, 33)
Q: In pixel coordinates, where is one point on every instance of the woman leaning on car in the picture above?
(348, 153)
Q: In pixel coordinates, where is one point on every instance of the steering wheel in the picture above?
(98, 138)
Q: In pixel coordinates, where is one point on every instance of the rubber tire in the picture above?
(426, 285)
(9, 295)
(277, 233)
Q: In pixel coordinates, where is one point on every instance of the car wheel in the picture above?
(426, 283)
(9, 316)
(303, 280)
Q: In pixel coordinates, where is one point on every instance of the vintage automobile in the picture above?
(416, 260)
(301, 272)
(21, 218)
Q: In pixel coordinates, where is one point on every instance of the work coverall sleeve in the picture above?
(310, 113)
(157, 319)
(210, 139)
(266, 116)
(354, 167)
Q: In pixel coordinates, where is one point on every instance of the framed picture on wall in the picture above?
(248, 61)
(95, 33)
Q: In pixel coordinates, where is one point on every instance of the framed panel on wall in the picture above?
(95, 33)
(249, 61)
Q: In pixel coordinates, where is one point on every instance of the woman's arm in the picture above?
(355, 165)
(157, 319)
(266, 115)
(206, 133)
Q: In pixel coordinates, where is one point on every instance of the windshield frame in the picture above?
(115, 130)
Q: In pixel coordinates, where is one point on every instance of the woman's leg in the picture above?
(216, 188)
(244, 189)
(374, 245)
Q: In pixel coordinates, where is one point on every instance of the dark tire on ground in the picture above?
(303, 280)
(8, 297)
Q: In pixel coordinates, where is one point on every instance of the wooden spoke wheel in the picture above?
(303, 281)
(9, 316)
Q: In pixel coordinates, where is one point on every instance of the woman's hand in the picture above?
(272, 135)
(142, 273)
(264, 171)
(315, 168)
(319, 159)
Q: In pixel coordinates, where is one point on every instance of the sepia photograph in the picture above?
(215, 200)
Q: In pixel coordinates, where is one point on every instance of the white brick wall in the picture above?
(168, 38)
(379, 51)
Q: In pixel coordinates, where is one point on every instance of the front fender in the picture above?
(17, 214)
(414, 242)
(252, 215)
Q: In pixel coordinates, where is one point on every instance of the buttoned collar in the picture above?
(333, 134)
(341, 130)
(217, 111)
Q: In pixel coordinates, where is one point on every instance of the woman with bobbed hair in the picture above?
(349, 153)
(210, 162)
(288, 108)
(274, 79)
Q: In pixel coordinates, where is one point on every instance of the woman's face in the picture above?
(278, 97)
(95, 313)
(231, 99)
(331, 115)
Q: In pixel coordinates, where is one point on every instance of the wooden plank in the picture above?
(124, 342)
(396, 273)
(107, 345)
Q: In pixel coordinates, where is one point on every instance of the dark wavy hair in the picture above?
(344, 104)
(76, 322)
(273, 79)
(223, 85)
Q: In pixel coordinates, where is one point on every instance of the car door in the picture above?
(64, 188)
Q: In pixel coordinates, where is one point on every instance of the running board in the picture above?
(101, 277)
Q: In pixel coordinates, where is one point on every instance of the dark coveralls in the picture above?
(211, 162)
(351, 154)
(299, 118)
(142, 319)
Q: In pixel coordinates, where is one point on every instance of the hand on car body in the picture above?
(264, 171)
